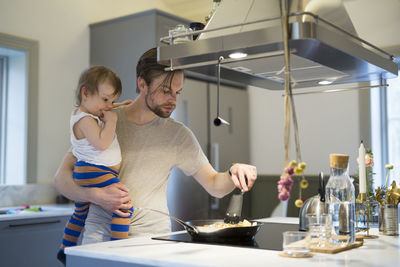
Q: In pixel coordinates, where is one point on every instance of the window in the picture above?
(3, 85)
(385, 128)
(393, 125)
(18, 109)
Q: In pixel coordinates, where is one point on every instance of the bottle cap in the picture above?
(339, 160)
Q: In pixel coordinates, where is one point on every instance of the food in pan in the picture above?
(219, 225)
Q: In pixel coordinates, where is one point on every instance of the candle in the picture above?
(361, 169)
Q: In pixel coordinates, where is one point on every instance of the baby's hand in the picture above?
(126, 102)
(109, 116)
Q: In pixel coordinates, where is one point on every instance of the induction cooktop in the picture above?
(268, 237)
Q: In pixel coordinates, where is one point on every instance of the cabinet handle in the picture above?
(31, 224)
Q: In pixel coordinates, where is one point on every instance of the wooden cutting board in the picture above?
(332, 249)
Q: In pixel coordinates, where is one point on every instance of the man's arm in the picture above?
(219, 184)
(111, 198)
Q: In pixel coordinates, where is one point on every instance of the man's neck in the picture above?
(139, 113)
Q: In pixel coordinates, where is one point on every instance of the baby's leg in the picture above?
(120, 225)
(73, 228)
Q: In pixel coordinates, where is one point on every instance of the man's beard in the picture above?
(158, 110)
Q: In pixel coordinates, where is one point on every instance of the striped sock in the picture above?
(120, 225)
(75, 225)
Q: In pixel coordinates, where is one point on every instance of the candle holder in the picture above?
(364, 211)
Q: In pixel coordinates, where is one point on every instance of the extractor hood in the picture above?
(323, 43)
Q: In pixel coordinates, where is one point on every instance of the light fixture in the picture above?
(325, 82)
(237, 55)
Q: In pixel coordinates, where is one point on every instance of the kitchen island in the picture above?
(144, 251)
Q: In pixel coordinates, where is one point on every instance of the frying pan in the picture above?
(198, 232)
(227, 234)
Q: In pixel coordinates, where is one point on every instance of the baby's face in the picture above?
(101, 101)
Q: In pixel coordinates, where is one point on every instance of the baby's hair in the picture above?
(92, 78)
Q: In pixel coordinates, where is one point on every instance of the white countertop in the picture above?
(47, 211)
(383, 251)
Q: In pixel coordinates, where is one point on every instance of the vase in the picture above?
(389, 219)
(367, 211)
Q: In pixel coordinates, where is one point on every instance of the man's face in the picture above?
(161, 95)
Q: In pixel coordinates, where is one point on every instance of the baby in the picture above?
(95, 145)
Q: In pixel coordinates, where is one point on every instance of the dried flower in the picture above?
(293, 163)
(303, 183)
(369, 161)
(302, 166)
(299, 203)
(289, 170)
(285, 184)
(389, 166)
(298, 171)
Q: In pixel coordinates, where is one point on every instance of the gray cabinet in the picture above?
(31, 242)
(118, 43)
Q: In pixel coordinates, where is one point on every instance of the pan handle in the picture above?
(189, 228)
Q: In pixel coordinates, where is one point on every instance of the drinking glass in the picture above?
(296, 243)
(178, 30)
(320, 228)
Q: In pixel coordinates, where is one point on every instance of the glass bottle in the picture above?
(340, 198)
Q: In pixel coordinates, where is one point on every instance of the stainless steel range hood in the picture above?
(323, 43)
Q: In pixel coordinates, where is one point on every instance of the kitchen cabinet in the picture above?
(31, 242)
(118, 44)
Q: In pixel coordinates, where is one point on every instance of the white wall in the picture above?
(328, 123)
(61, 27)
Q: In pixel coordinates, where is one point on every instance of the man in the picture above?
(151, 145)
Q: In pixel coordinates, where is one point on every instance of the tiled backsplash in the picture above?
(31, 194)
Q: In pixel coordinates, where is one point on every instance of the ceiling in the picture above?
(193, 10)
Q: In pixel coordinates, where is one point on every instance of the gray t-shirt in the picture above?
(149, 152)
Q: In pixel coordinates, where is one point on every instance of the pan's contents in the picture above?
(219, 225)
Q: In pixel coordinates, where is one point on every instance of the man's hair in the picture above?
(148, 68)
(92, 77)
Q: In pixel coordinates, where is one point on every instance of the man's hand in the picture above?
(113, 198)
(240, 172)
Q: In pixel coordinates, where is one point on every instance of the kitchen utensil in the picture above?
(218, 120)
(199, 231)
(190, 228)
(313, 205)
(223, 235)
(234, 211)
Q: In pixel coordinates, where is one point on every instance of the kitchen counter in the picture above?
(32, 238)
(145, 251)
(47, 211)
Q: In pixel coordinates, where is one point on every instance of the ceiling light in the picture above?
(325, 82)
(237, 55)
